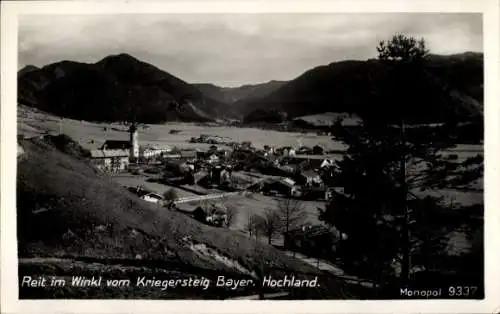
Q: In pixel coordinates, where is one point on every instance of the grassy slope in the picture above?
(90, 216)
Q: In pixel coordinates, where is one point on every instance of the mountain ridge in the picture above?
(352, 85)
(116, 88)
(120, 87)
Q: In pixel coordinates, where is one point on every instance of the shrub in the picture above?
(170, 194)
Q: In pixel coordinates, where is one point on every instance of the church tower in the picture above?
(134, 142)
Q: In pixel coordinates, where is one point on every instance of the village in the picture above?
(229, 184)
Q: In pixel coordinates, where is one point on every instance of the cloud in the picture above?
(235, 49)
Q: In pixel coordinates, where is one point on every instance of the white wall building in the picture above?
(110, 160)
(152, 198)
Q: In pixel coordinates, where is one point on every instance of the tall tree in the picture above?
(271, 223)
(291, 213)
(385, 172)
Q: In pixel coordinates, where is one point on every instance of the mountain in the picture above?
(27, 69)
(235, 95)
(450, 85)
(115, 89)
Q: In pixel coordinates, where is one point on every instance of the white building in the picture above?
(213, 158)
(112, 160)
(326, 163)
(152, 198)
(153, 151)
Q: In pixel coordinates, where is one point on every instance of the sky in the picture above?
(237, 49)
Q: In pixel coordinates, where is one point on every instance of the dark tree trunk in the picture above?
(405, 267)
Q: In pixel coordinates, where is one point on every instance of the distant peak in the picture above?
(27, 68)
(119, 57)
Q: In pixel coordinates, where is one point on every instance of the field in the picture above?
(31, 123)
(257, 203)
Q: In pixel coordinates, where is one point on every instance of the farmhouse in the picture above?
(110, 160)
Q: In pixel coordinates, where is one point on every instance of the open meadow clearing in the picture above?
(130, 180)
(32, 122)
(257, 203)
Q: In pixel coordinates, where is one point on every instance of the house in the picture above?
(312, 240)
(216, 175)
(188, 154)
(225, 175)
(310, 164)
(304, 150)
(152, 198)
(223, 152)
(284, 186)
(290, 168)
(326, 163)
(171, 155)
(212, 214)
(311, 178)
(332, 191)
(146, 195)
(110, 160)
(268, 151)
(213, 159)
(217, 215)
(289, 152)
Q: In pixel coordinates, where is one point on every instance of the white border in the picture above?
(9, 293)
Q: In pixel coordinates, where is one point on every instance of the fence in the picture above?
(210, 197)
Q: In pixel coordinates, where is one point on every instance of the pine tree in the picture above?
(387, 169)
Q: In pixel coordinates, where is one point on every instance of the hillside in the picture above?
(114, 89)
(73, 220)
(450, 86)
(235, 95)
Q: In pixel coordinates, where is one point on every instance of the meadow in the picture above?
(92, 135)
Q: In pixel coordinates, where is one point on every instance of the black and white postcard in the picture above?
(221, 152)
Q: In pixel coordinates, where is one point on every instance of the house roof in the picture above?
(309, 173)
(288, 182)
(98, 153)
(310, 164)
(113, 144)
(309, 231)
(155, 147)
(321, 157)
(151, 194)
(188, 153)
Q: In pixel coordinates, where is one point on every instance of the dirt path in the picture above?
(331, 268)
